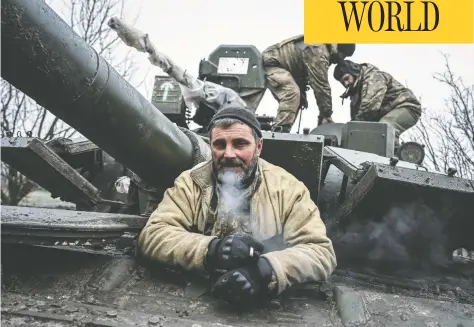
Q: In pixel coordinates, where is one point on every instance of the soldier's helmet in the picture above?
(343, 50)
(347, 49)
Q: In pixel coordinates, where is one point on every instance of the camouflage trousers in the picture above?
(253, 98)
(286, 88)
(401, 119)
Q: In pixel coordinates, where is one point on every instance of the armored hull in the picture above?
(79, 267)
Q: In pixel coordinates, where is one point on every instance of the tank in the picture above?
(394, 223)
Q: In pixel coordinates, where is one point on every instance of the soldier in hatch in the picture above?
(290, 66)
(376, 96)
(218, 215)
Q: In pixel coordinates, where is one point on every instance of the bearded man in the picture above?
(219, 216)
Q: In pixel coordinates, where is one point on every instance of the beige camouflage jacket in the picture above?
(308, 66)
(377, 93)
(280, 205)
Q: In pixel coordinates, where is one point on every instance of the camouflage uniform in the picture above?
(379, 97)
(289, 67)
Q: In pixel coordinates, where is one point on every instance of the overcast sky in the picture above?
(188, 31)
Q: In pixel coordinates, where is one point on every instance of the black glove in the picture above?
(320, 120)
(234, 250)
(303, 96)
(243, 284)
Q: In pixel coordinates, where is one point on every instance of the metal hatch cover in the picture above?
(300, 154)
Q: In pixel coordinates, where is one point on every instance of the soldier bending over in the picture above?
(290, 66)
(376, 96)
(218, 214)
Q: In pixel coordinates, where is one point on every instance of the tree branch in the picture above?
(449, 136)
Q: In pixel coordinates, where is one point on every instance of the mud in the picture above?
(52, 287)
(62, 279)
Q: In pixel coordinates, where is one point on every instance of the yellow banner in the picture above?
(437, 21)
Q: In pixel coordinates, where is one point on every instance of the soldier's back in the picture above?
(287, 55)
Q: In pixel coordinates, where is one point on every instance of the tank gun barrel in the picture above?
(44, 58)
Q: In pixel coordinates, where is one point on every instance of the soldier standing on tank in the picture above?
(290, 66)
(377, 96)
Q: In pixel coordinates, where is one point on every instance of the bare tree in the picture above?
(449, 136)
(21, 116)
